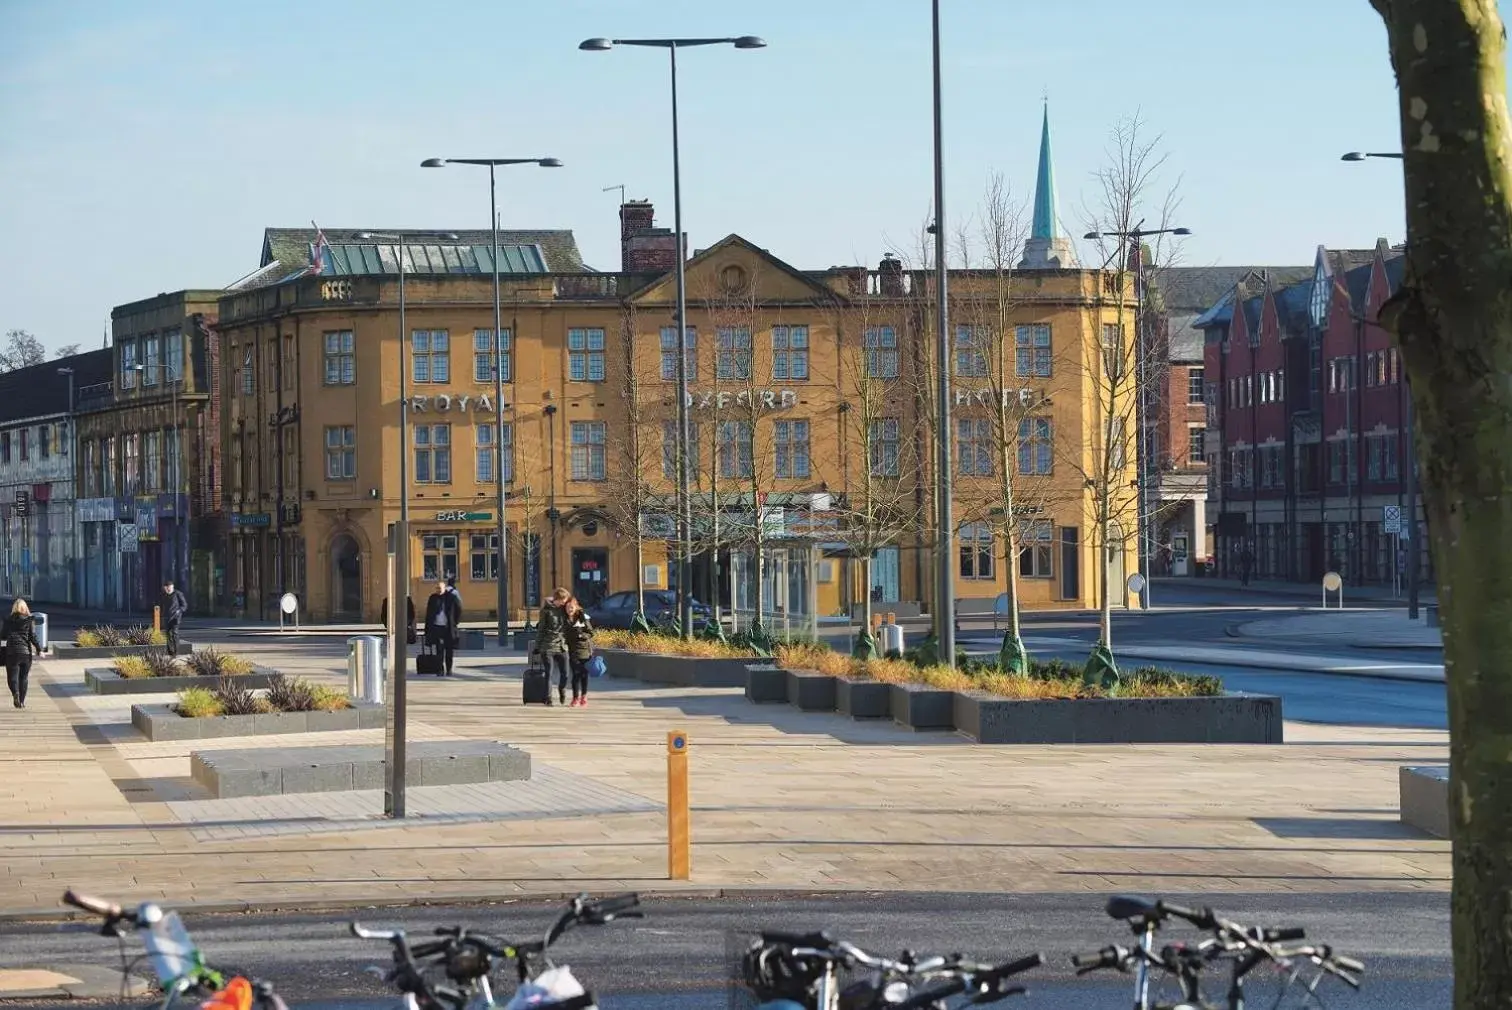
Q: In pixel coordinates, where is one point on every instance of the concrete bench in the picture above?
(275, 771)
(1424, 793)
(1431, 615)
(982, 606)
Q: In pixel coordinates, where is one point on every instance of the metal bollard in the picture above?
(365, 669)
(679, 834)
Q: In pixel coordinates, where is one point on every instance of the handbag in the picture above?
(595, 666)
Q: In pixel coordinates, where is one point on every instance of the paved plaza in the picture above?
(783, 800)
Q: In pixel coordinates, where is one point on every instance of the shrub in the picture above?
(161, 664)
(237, 700)
(199, 703)
(131, 667)
(85, 638)
(210, 663)
(670, 645)
(100, 637)
(328, 699)
(142, 635)
(290, 694)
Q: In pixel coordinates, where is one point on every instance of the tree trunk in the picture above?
(1453, 321)
(1011, 654)
(866, 645)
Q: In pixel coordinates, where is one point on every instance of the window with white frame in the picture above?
(669, 353)
(485, 455)
(152, 460)
(735, 449)
(970, 355)
(881, 352)
(585, 354)
(1036, 446)
(151, 362)
(131, 462)
(669, 449)
(1113, 350)
(734, 357)
(438, 552)
(432, 453)
(341, 452)
(975, 546)
(340, 358)
(1118, 450)
(790, 353)
(882, 436)
(430, 354)
(1032, 351)
(1196, 444)
(173, 355)
(484, 356)
(791, 440)
(974, 447)
(1036, 549)
(128, 364)
(588, 452)
(1194, 384)
(485, 557)
(107, 467)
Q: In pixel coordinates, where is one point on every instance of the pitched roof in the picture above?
(1197, 289)
(290, 247)
(809, 277)
(39, 391)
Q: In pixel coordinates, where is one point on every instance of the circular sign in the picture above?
(1333, 582)
(1136, 583)
(288, 603)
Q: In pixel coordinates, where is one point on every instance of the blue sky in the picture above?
(144, 146)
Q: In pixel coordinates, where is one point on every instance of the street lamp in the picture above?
(1410, 479)
(684, 432)
(1144, 534)
(944, 511)
(73, 449)
(395, 724)
(492, 164)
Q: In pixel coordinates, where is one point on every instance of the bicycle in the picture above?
(801, 971)
(1243, 947)
(468, 958)
(178, 963)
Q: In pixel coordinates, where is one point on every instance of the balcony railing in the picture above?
(568, 286)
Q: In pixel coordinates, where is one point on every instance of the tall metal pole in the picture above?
(1142, 521)
(684, 430)
(396, 725)
(945, 536)
(502, 581)
(1410, 520)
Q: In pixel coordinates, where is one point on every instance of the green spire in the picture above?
(1045, 225)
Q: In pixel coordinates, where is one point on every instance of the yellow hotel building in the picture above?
(811, 395)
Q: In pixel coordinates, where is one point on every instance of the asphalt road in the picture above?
(678, 956)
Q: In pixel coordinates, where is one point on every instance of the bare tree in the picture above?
(1453, 322)
(67, 350)
(21, 350)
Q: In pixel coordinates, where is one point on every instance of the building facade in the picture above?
(1307, 401)
(810, 412)
(37, 499)
(148, 460)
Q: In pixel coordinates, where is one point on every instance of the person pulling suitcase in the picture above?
(551, 641)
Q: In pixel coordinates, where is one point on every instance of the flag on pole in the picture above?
(318, 250)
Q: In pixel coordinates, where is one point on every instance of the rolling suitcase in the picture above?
(428, 662)
(537, 685)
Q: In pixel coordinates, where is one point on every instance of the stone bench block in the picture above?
(811, 691)
(161, 722)
(1424, 795)
(766, 684)
(863, 699)
(990, 719)
(277, 771)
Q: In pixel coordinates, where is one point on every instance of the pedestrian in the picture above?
(443, 623)
(409, 625)
(1246, 566)
(19, 637)
(173, 608)
(579, 648)
(451, 584)
(551, 640)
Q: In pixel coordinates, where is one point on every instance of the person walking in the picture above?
(443, 623)
(579, 648)
(19, 637)
(551, 640)
(174, 607)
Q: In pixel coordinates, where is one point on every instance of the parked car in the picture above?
(617, 610)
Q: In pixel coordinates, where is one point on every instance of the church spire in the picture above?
(1046, 248)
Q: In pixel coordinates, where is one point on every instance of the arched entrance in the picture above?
(346, 577)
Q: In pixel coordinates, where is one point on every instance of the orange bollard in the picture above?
(679, 834)
(157, 618)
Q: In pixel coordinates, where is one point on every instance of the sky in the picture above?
(144, 146)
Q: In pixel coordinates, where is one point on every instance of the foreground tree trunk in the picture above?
(1453, 320)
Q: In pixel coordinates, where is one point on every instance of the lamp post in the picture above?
(502, 581)
(1144, 533)
(684, 431)
(944, 515)
(76, 568)
(396, 724)
(1409, 479)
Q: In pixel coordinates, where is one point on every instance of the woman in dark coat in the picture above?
(443, 623)
(551, 640)
(20, 637)
(579, 648)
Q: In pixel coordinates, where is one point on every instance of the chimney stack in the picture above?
(890, 275)
(645, 248)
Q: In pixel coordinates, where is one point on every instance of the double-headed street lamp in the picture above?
(1143, 521)
(502, 580)
(684, 431)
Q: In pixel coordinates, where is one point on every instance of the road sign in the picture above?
(1391, 519)
(126, 537)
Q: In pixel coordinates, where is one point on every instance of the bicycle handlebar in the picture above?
(95, 906)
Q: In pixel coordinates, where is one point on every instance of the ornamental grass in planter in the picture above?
(670, 645)
(105, 636)
(284, 694)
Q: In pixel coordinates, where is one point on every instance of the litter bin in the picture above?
(39, 628)
(365, 669)
(892, 639)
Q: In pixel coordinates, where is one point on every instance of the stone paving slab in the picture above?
(782, 800)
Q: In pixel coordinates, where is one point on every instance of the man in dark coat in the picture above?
(174, 607)
(443, 623)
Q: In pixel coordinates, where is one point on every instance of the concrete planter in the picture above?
(1229, 718)
(104, 681)
(811, 691)
(1425, 799)
(276, 771)
(161, 722)
(863, 699)
(923, 708)
(766, 685)
(681, 671)
(68, 650)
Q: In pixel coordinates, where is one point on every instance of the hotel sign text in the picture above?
(1009, 397)
(444, 402)
(765, 399)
